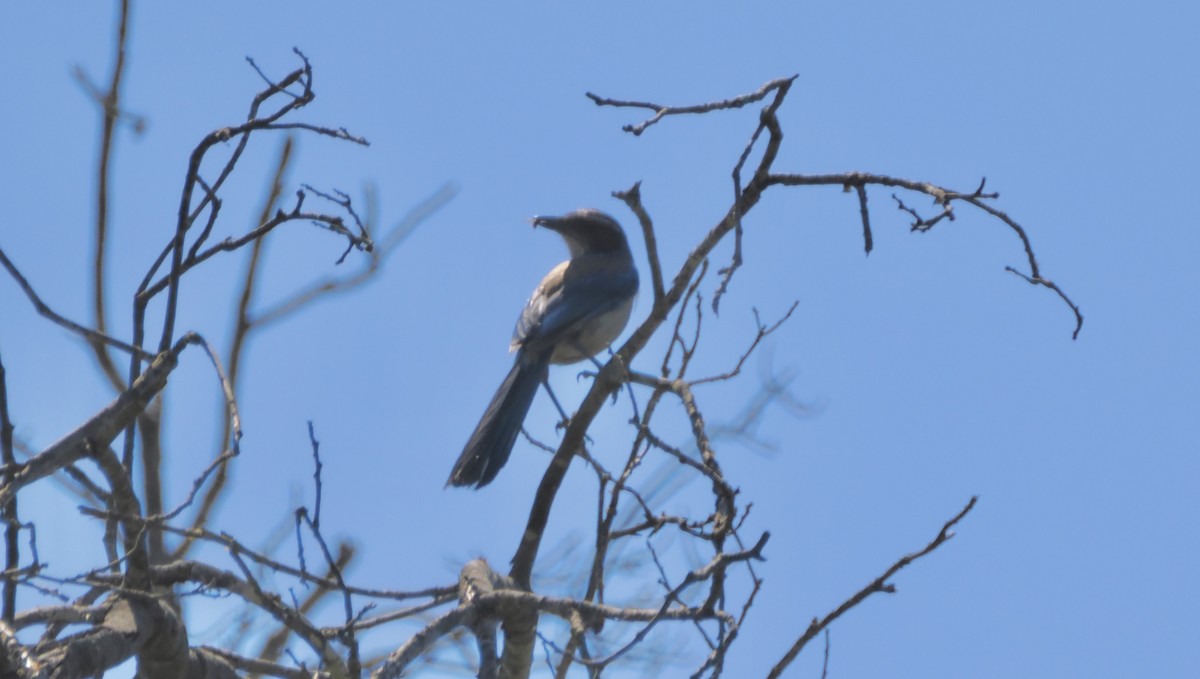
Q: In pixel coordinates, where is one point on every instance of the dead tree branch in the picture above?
(879, 584)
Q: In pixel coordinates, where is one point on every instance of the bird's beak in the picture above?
(552, 223)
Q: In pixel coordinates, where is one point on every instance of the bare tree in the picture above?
(488, 623)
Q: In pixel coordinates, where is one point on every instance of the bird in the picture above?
(577, 311)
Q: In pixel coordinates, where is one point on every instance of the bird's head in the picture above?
(587, 231)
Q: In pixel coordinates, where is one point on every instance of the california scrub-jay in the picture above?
(577, 310)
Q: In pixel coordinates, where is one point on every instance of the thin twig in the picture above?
(238, 341)
(258, 666)
(868, 241)
(879, 584)
(110, 106)
(946, 198)
(86, 333)
(661, 111)
(387, 245)
(632, 197)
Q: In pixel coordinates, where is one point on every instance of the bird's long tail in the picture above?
(492, 442)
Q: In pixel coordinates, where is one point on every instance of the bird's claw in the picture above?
(561, 425)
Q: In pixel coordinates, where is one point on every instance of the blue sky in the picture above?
(929, 374)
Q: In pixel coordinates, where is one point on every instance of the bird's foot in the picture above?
(562, 425)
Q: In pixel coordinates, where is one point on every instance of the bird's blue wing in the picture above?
(572, 293)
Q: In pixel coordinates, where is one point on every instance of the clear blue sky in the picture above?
(931, 374)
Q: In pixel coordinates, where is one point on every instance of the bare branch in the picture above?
(762, 332)
(386, 246)
(328, 222)
(110, 104)
(186, 217)
(258, 666)
(419, 643)
(291, 618)
(946, 199)
(233, 546)
(1038, 280)
(879, 584)
(12, 524)
(274, 645)
(15, 660)
(197, 484)
(661, 111)
(711, 569)
(99, 431)
(633, 198)
(70, 615)
(241, 332)
(87, 333)
(868, 241)
(231, 407)
(392, 616)
(148, 629)
(346, 634)
(125, 503)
